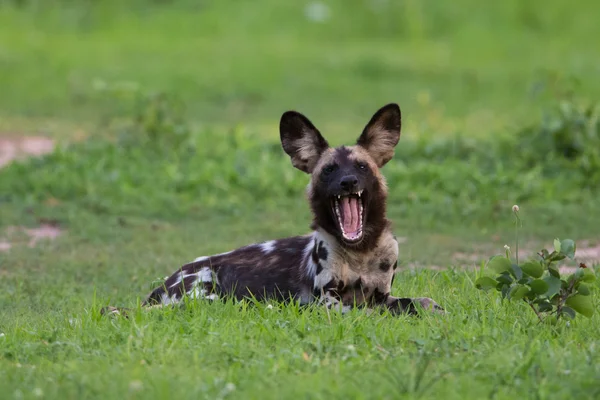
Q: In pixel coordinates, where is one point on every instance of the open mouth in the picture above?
(349, 213)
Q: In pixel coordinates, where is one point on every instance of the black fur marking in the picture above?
(334, 289)
(395, 265)
(393, 277)
(322, 251)
(330, 285)
(408, 305)
(403, 305)
(384, 266)
(342, 152)
(357, 284)
(379, 297)
(319, 268)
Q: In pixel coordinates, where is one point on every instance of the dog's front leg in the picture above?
(398, 305)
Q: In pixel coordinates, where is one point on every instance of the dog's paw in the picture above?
(429, 305)
(115, 311)
(110, 311)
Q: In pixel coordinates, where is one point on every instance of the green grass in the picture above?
(482, 349)
(159, 181)
(452, 67)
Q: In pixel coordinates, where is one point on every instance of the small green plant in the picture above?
(539, 283)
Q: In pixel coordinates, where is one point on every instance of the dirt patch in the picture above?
(19, 148)
(4, 245)
(30, 236)
(417, 266)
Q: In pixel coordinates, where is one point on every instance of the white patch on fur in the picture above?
(323, 278)
(268, 247)
(198, 292)
(205, 275)
(311, 268)
(166, 300)
(332, 303)
(201, 258)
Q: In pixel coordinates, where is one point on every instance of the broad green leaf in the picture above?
(554, 256)
(539, 286)
(553, 285)
(544, 307)
(582, 304)
(505, 278)
(499, 264)
(567, 247)
(588, 275)
(518, 292)
(525, 280)
(583, 289)
(505, 290)
(557, 245)
(516, 272)
(553, 269)
(485, 282)
(533, 268)
(568, 311)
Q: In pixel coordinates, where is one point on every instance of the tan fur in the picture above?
(381, 152)
(359, 153)
(348, 266)
(306, 154)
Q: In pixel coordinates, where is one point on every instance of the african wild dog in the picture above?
(351, 255)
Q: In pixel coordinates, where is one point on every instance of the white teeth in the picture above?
(359, 193)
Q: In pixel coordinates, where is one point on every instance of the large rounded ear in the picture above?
(301, 140)
(382, 133)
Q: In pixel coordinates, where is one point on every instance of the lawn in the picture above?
(165, 116)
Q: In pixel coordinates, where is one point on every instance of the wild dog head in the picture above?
(347, 192)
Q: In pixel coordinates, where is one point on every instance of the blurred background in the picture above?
(453, 66)
(169, 109)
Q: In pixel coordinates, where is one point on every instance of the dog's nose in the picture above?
(349, 183)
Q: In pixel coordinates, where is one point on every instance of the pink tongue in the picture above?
(351, 217)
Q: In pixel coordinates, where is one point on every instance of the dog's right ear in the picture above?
(301, 140)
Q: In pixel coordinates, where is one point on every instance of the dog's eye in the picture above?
(328, 169)
(361, 165)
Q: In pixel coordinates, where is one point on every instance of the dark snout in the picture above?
(349, 183)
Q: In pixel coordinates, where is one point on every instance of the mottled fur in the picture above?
(325, 265)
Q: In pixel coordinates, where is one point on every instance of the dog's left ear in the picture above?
(382, 134)
(301, 140)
